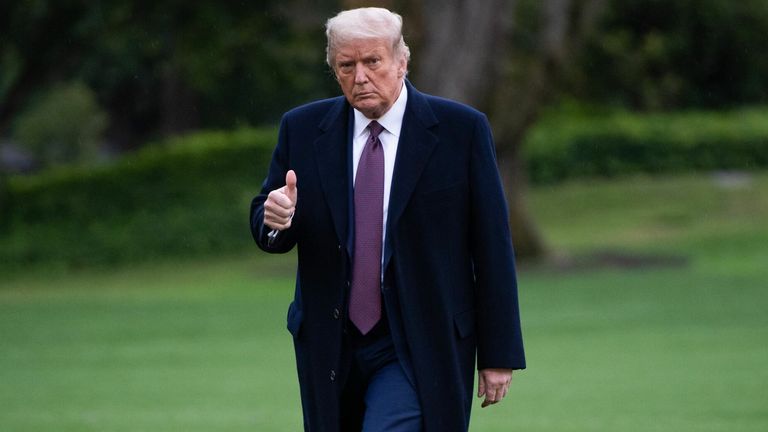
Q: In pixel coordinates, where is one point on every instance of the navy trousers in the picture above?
(377, 395)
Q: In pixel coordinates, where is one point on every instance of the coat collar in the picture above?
(332, 155)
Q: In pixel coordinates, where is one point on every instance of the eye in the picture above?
(373, 61)
(345, 67)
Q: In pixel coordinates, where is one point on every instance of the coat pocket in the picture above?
(295, 317)
(464, 323)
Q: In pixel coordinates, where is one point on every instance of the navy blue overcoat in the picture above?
(449, 281)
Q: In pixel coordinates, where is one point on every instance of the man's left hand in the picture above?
(493, 384)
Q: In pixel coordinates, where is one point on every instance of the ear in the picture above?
(402, 67)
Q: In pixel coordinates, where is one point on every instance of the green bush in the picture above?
(186, 196)
(189, 195)
(563, 146)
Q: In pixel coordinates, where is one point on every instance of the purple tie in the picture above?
(365, 296)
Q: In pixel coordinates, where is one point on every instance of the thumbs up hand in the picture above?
(281, 204)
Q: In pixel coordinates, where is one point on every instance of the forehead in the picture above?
(363, 47)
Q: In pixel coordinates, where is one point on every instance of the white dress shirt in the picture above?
(392, 121)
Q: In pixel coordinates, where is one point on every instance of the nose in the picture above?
(360, 76)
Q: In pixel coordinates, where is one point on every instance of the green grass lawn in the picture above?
(201, 346)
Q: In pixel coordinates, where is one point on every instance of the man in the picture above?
(405, 265)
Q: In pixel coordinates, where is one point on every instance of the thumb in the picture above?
(480, 385)
(290, 185)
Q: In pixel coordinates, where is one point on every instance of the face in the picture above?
(369, 75)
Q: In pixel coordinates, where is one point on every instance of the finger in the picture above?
(480, 385)
(290, 186)
(504, 391)
(274, 218)
(277, 225)
(496, 390)
(275, 210)
(280, 198)
(277, 216)
(273, 225)
(490, 398)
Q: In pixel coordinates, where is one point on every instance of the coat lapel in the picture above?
(416, 144)
(332, 157)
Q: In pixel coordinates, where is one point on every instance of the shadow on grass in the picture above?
(605, 259)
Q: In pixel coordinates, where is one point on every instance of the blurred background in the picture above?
(632, 137)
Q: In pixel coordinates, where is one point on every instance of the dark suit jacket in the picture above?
(449, 276)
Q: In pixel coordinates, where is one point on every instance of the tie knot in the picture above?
(375, 128)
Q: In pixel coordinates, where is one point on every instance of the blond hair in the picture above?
(365, 23)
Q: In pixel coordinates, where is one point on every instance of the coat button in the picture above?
(349, 284)
(336, 313)
(333, 375)
(338, 247)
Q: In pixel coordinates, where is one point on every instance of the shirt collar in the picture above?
(392, 120)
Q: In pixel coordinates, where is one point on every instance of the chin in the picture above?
(370, 111)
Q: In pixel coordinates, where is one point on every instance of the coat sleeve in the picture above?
(499, 336)
(278, 167)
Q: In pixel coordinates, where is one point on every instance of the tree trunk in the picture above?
(467, 54)
(461, 48)
(178, 103)
(464, 56)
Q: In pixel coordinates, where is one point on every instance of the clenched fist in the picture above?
(281, 203)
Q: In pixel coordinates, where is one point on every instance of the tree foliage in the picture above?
(64, 126)
(165, 66)
(667, 54)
